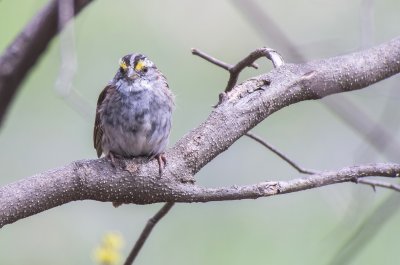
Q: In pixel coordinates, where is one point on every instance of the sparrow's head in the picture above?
(136, 66)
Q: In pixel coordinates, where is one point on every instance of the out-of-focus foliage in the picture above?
(108, 252)
(43, 131)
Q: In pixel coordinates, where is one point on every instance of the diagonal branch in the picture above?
(246, 105)
(280, 154)
(372, 183)
(379, 183)
(22, 54)
(146, 232)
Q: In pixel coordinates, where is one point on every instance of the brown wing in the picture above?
(98, 130)
(166, 89)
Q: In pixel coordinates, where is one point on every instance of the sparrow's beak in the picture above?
(132, 74)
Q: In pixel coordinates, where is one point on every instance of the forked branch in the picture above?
(248, 61)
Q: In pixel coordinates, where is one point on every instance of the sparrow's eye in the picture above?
(145, 69)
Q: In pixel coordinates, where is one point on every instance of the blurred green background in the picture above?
(44, 130)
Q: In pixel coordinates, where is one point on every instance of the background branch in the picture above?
(345, 109)
(372, 130)
(64, 86)
(22, 54)
(359, 239)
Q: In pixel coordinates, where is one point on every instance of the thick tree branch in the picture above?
(26, 49)
(98, 180)
(245, 106)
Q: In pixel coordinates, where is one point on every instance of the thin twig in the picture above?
(372, 183)
(214, 60)
(378, 183)
(280, 154)
(146, 232)
(248, 61)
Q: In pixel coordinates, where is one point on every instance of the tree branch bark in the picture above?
(244, 107)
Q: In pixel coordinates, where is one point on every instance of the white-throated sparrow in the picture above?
(133, 115)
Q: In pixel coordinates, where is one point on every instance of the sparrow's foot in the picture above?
(162, 162)
(114, 159)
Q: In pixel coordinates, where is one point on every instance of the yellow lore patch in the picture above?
(122, 64)
(140, 65)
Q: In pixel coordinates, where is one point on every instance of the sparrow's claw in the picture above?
(162, 162)
(110, 156)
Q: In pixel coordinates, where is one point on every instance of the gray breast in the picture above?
(136, 123)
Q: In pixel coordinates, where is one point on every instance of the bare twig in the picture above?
(22, 54)
(215, 60)
(280, 154)
(372, 183)
(378, 183)
(248, 61)
(146, 232)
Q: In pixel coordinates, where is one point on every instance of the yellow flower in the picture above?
(107, 256)
(113, 240)
(108, 253)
